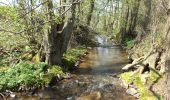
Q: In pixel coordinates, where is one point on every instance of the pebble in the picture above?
(12, 95)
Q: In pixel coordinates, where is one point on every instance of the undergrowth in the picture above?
(28, 75)
(30, 72)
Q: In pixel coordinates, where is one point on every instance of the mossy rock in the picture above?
(143, 89)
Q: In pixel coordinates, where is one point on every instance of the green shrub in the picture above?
(129, 42)
(27, 74)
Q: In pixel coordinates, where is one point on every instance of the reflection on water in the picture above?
(103, 61)
(92, 81)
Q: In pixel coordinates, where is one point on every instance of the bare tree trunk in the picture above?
(148, 15)
(134, 15)
(125, 17)
(89, 15)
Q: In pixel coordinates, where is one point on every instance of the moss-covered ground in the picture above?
(143, 88)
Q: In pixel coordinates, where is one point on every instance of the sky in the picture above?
(6, 2)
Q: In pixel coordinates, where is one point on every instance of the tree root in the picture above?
(3, 96)
(145, 61)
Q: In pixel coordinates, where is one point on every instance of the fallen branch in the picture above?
(139, 61)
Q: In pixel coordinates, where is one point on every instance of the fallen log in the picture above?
(139, 61)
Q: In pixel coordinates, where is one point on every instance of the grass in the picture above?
(143, 89)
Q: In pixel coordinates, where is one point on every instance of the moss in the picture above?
(143, 89)
(127, 77)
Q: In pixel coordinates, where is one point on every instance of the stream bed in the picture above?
(92, 81)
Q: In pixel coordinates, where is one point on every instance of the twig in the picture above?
(76, 2)
(34, 8)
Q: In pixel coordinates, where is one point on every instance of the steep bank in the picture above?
(147, 73)
(149, 70)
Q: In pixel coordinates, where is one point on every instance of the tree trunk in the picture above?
(123, 30)
(148, 15)
(58, 34)
(89, 15)
(134, 15)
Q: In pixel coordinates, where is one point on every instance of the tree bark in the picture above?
(134, 15)
(89, 15)
(58, 34)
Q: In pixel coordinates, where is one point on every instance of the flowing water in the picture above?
(92, 81)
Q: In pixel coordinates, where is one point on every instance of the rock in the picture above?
(92, 96)
(108, 87)
(132, 91)
(69, 98)
(77, 81)
(12, 95)
(77, 63)
(137, 95)
(89, 48)
(113, 75)
(124, 84)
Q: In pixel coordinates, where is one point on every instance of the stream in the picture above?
(92, 81)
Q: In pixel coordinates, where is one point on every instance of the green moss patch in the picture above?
(143, 88)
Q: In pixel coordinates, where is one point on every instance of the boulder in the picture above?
(124, 84)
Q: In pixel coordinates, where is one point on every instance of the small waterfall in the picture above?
(100, 40)
(103, 40)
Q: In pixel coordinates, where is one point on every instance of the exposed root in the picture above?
(3, 96)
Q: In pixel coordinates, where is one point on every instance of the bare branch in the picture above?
(33, 27)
